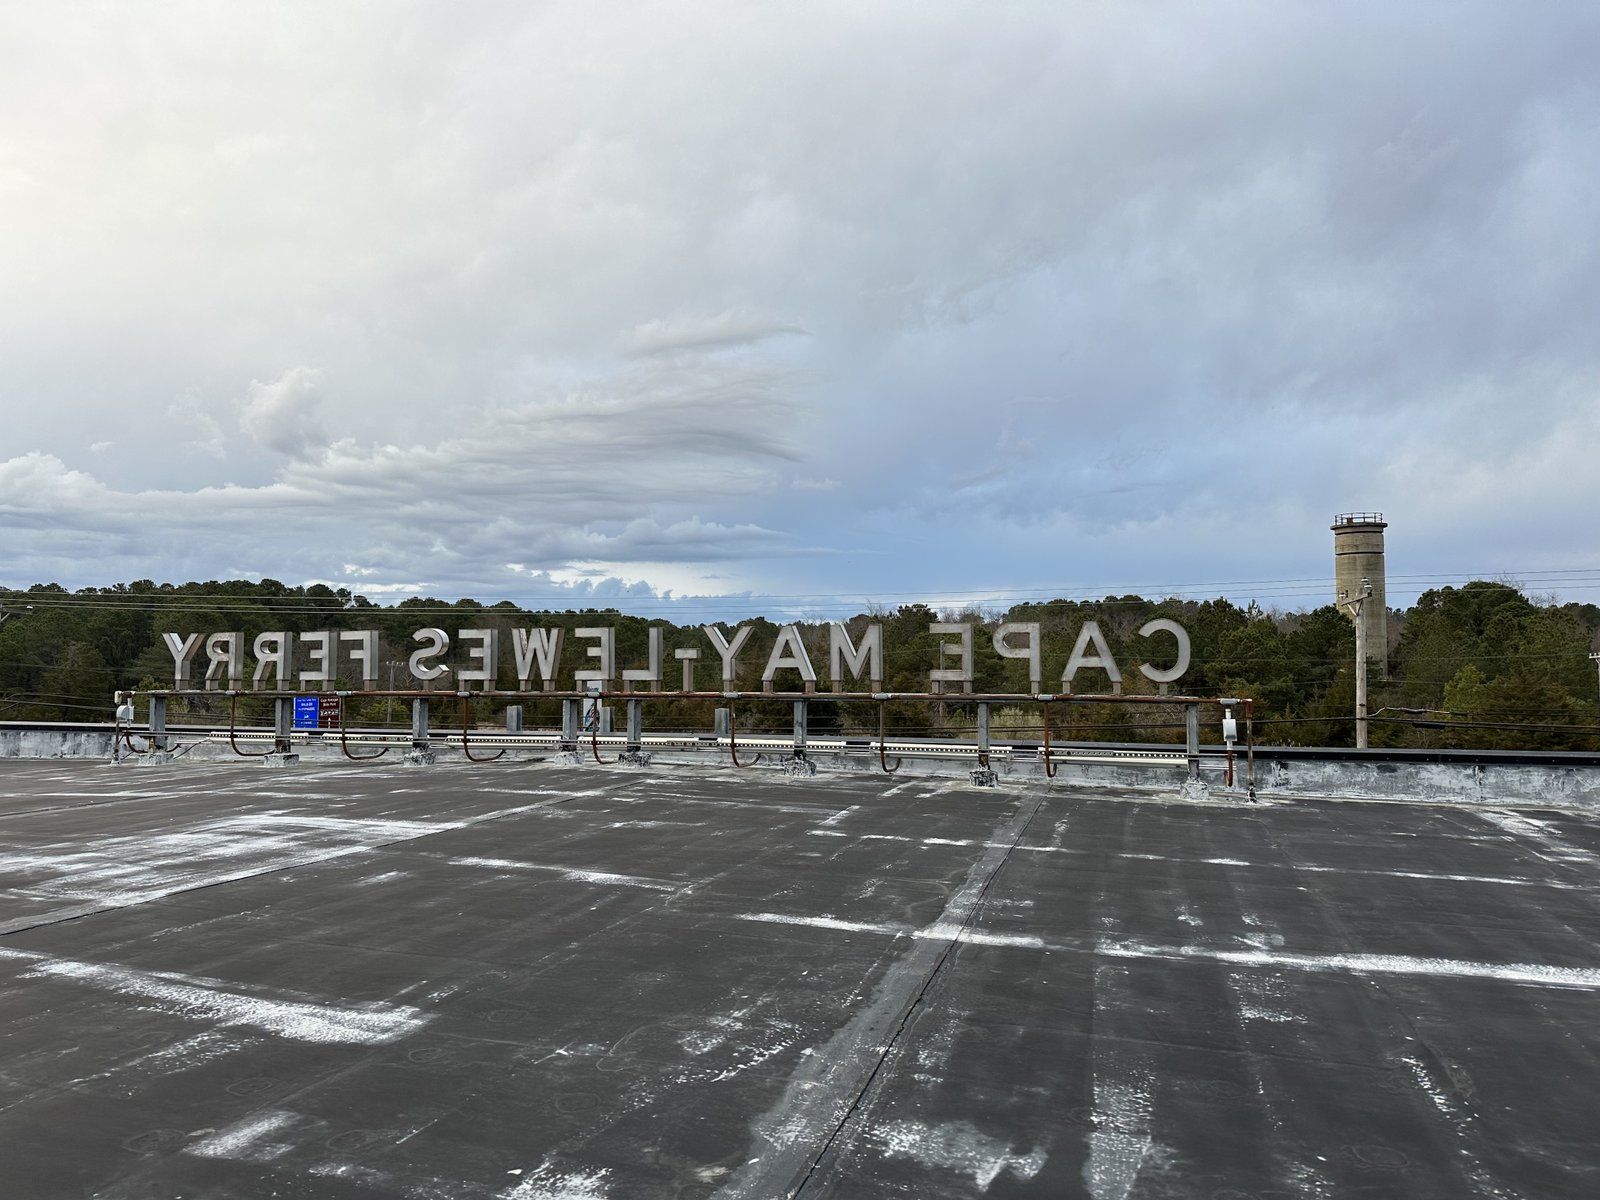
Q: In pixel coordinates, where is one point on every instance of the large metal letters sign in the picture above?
(855, 664)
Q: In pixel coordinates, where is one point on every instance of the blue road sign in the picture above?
(307, 710)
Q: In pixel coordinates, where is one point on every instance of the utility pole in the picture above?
(6, 615)
(1595, 659)
(1354, 606)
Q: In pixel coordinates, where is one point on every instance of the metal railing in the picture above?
(798, 747)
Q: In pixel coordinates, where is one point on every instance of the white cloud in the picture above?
(200, 432)
(286, 414)
(723, 331)
(789, 297)
(606, 478)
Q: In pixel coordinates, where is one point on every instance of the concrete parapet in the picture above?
(45, 742)
(1281, 774)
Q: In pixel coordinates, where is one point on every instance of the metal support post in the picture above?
(1191, 732)
(158, 723)
(798, 763)
(571, 719)
(634, 751)
(983, 774)
(421, 753)
(282, 723)
(513, 718)
(635, 728)
(570, 712)
(282, 753)
(1250, 747)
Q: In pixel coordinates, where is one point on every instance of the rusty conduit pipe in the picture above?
(1049, 767)
(733, 746)
(127, 740)
(594, 738)
(882, 759)
(343, 745)
(233, 707)
(466, 714)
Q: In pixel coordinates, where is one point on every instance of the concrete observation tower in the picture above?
(1358, 562)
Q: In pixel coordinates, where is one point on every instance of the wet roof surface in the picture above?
(530, 983)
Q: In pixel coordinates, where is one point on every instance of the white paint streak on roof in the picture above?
(549, 1183)
(572, 873)
(938, 931)
(1375, 964)
(244, 1140)
(956, 1146)
(212, 999)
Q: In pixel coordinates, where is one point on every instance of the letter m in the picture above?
(843, 655)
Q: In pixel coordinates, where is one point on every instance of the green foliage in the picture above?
(1489, 666)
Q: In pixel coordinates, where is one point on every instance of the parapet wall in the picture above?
(18, 741)
(1278, 775)
(1558, 785)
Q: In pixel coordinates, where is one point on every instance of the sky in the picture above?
(799, 308)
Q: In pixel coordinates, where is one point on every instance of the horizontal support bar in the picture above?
(514, 697)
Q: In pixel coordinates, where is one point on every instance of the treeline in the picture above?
(1482, 665)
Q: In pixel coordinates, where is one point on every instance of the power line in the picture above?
(1291, 587)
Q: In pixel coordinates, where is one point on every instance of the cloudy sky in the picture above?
(799, 305)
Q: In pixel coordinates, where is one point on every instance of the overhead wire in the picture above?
(1102, 594)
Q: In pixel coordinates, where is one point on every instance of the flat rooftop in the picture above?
(528, 982)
